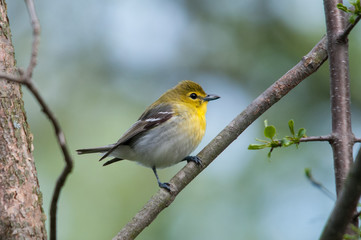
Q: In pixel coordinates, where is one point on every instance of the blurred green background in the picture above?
(102, 62)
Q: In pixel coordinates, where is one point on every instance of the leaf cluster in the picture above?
(353, 237)
(272, 142)
(354, 11)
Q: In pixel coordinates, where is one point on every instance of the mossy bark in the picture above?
(21, 213)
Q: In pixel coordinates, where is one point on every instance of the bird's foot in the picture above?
(194, 159)
(165, 186)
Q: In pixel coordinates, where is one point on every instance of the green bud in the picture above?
(308, 173)
(257, 146)
(301, 133)
(270, 132)
(291, 124)
(342, 7)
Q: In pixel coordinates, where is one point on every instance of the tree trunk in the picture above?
(21, 213)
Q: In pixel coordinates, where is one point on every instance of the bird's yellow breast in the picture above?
(194, 121)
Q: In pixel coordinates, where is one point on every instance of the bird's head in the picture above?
(190, 93)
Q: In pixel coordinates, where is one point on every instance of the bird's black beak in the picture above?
(210, 97)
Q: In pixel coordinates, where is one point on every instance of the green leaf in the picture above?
(291, 124)
(308, 173)
(342, 7)
(265, 123)
(263, 141)
(257, 146)
(301, 133)
(348, 237)
(353, 2)
(354, 12)
(270, 132)
(352, 18)
(357, 6)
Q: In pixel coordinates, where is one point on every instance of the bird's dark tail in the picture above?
(94, 150)
(106, 150)
(112, 161)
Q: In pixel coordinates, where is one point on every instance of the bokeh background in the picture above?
(102, 62)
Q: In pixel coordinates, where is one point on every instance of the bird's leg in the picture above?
(194, 159)
(165, 185)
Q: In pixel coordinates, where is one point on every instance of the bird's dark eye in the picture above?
(193, 96)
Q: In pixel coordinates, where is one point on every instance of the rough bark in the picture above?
(21, 213)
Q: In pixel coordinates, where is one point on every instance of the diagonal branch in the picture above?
(319, 185)
(162, 199)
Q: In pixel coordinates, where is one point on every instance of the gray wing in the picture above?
(151, 118)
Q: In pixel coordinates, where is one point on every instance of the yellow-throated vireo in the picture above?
(166, 133)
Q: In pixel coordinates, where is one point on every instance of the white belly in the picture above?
(163, 146)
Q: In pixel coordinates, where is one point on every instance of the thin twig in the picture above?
(25, 78)
(36, 38)
(12, 78)
(319, 185)
(62, 143)
(67, 157)
(357, 215)
(348, 29)
(327, 138)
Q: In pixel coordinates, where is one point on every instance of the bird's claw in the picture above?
(194, 159)
(165, 186)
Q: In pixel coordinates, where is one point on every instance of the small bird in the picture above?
(166, 133)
